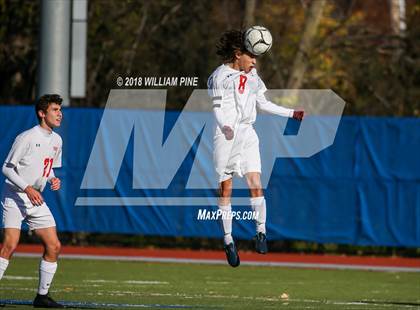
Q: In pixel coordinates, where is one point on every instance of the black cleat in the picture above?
(261, 243)
(45, 301)
(232, 255)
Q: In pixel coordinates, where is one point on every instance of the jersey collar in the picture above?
(44, 131)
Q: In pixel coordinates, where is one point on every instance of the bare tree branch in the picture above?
(166, 17)
(139, 31)
(249, 16)
(300, 62)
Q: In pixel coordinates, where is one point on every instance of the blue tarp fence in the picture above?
(362, 190)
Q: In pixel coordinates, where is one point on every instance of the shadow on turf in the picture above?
(92, 305)
(11, 303)
(389, 303)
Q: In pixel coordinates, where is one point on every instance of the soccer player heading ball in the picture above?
(237, 91)
(28, 167)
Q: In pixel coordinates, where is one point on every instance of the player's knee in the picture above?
(254, 180)
(8, 249)
(254, 184)
(57, 247)
(256, 192)
(226, 193)
(54, 248)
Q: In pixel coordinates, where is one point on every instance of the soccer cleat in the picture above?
(45, 301)
(261, 243)
(232, 255)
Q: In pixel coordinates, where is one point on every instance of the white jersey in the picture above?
(238, 94)
(33, 155)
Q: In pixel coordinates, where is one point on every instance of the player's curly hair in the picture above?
(230, 42)
(45, 101)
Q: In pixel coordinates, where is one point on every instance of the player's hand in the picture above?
(228, 132)
(298, 115)
(34, 196)
(55, 184)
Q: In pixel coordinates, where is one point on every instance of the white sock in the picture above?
(258, 206)
(3, 266)
(226, 223)
(46, 275)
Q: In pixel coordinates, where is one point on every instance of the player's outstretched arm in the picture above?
(269, 107)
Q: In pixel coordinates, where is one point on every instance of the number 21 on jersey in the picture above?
(48, 162)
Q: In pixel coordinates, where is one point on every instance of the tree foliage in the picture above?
(353, 51)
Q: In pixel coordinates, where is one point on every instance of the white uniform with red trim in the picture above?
(33, 155)
(236, 96)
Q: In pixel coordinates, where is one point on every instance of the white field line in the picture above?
(223, 262)
(370, 303)
(374, 303)
(262, 299)
(25, 289)
(126, 282)
(71, 304)
(19, 278)
(140, 282)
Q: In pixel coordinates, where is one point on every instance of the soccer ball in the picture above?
(258, 40)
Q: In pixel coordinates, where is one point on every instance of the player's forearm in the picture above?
(10, 173)
(220, 118)
(272, 108)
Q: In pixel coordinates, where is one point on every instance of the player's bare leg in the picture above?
(52, 245)
(225, 193)
(258, 205)
(253, 180)
(10, 242)
(48, 266)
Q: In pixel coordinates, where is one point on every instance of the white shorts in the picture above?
(17, 208)
(238, 156)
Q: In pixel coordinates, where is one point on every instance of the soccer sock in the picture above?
(258, 206)
(3, 266)
(46, 275)
(226, 223)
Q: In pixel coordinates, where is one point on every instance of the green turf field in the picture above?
(213, 286)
